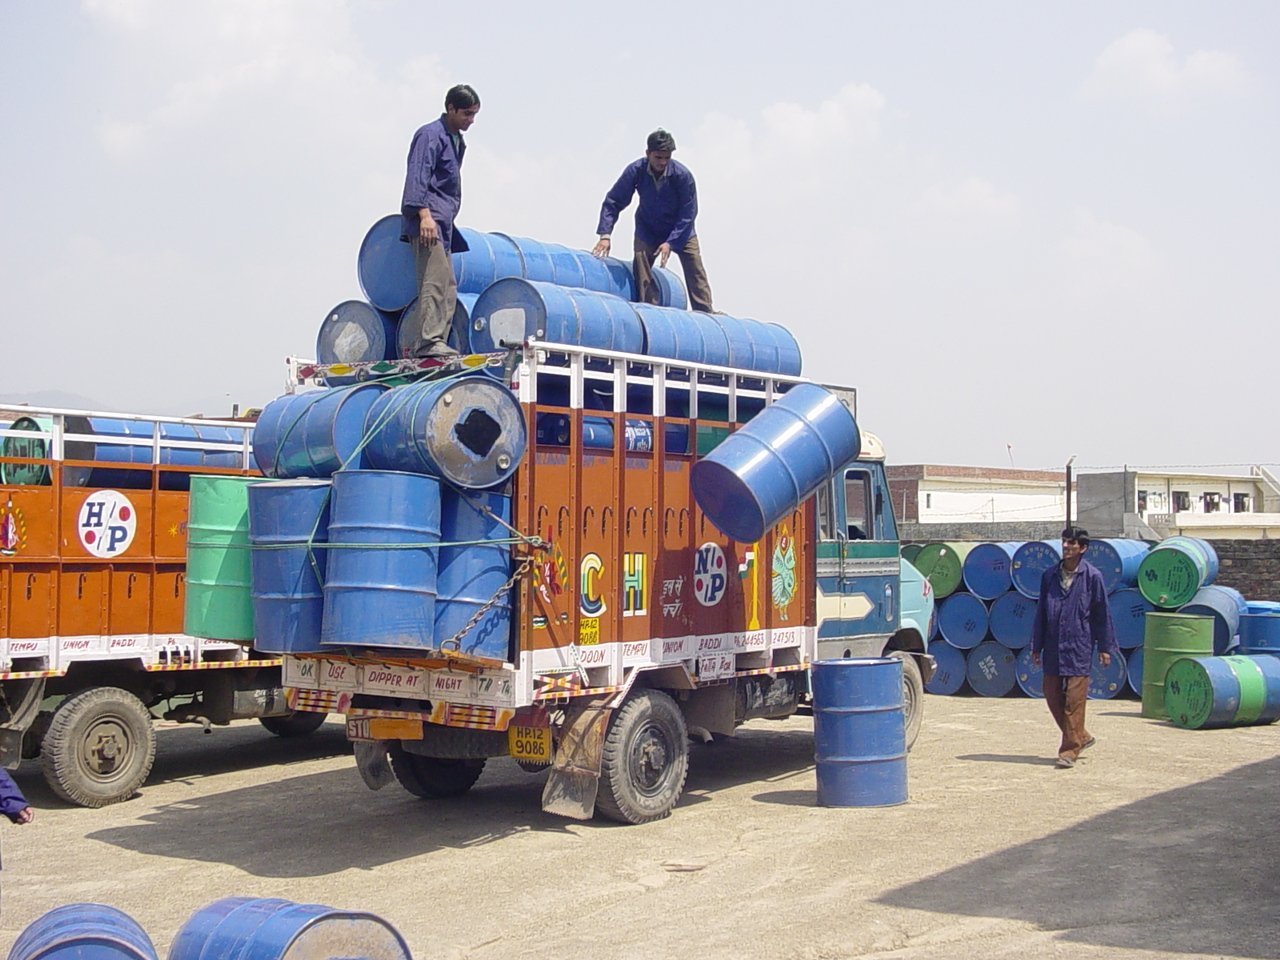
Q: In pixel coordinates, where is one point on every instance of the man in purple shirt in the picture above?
(12, 803)
(432, 196)
(1072, 620)
(664, 220)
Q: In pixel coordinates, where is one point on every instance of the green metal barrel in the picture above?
(35, 446)
(219, 602)
(1167, 637)
(1174, 569)
(942, 565)
(910, 551)
(1207, 692)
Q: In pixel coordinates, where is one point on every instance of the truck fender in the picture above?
(373, 764)
(574, 780)
(19, 705)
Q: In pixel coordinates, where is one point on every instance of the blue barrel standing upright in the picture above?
(286, 517)
(760, 473)
(83, 931)
(385, 266)
(314, 434)
(1260, 633)
(987, 569)
(859, 732)
(1030, 561)
(473, 571)
(380, 587)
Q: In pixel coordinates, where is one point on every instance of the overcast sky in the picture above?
(1024, 231)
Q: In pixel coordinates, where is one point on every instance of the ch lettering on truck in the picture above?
(590, 599)
(107, 523)
(635, 584)
(709, 581)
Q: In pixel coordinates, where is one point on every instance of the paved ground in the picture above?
(1162, 843)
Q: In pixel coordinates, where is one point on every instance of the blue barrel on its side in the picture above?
(513, 310)
(672, 335)
(596, 275)
(1129, 609)
(285, 518)
(621, 280)
(1117, 560)
(240, 928)
(1030, 675)
(671, 291)
(314, 434)
(385, 266)
(83, 931)
(1030, 561)
(859, 732)
(1175, 568)
(356, 332)
(948, 674)
(987, 569)
(467, 430)
(1107, 682)
(473, 571)
(1260, 633)
(378, 592)
(1226, 605)
(459, 338)
(534, 257)
(760, 473)
(489, 257)
(963, 620)
(1202, 693)
(1012, 619)
(990, 669)
(790, 359)
(205, 454)
(1133, 670)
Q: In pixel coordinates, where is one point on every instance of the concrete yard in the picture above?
(1161, 843)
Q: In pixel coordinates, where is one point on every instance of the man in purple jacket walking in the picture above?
(12, 803)
(664, 220)
(1072, 620)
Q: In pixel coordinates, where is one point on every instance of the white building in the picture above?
(1142, 502)
(940, 493)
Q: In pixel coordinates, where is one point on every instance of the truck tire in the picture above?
(433, 778)
(99, 748)
(646, 759)
(912, 694)
(297, 724)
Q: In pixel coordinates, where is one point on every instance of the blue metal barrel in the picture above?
(385, 266)
(987, 569)
(285, 517)
(1263, 606)
(760, 473)
(621, 280)
(948, 675)
(1129, 609)
(1012, 618)
(789, 356)
(378, 592)
(1202, 693)
(1030, 675)
(270, 929)
(596, 275)
(742, 345)
(473, 571)
(109, 446)
(671, 291)
(668, 333)
(1107, 682)
(990, 669)
(489, 257)
(1225, 605)
(467, 430)
(205, 454)
(83, 931)
(566, 269)
(459, 332)
(963, 620)
(356, 332)
(1260, 633)
(1117, 561)
(313, 434)
(1133, 670)
(859, 732)
(1030, 561)
(535, 258)
(512, 310)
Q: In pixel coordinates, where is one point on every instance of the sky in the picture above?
(1024, 232)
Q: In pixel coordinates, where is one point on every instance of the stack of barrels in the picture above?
(988, 594)
(511, 288)
(380, 521)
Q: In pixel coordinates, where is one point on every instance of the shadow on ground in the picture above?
(322, 823)
(1192, 870)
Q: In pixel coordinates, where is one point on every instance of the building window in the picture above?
(1212, 502)
(1181, 501)
(1240, 503)
(1142, 501)
(928, 500)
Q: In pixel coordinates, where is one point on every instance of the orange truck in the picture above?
(93, 543)
(635, 622)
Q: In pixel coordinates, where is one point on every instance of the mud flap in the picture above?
(372, 762)
(574, 780)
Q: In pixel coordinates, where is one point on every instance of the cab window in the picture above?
(857, 499)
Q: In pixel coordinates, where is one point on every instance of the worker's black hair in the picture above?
(461, 97)
(1078, 534)
(661, 141)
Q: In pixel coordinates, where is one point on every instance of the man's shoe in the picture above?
(1065, 762)
(1088, 743)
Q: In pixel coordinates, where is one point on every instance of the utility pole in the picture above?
(1069, 463)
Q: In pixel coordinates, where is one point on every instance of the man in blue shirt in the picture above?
(1072, 620)
(12, 803)
(428, 207)
(664, 220)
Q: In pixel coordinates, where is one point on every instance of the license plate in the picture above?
(383, 728)
(529, 743)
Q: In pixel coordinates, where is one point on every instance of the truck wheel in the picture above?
(433, 777)
(912, 694)
(99, 748)
(646, 759)
(297, 724)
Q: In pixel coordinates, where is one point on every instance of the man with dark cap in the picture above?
(664, 220)
(428, 207)
(1072, 621)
